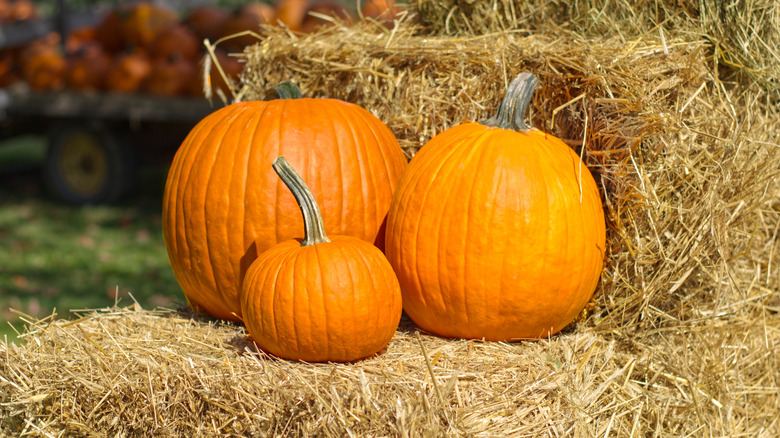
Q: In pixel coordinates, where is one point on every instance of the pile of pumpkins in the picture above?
(144, 47)
(302, 219)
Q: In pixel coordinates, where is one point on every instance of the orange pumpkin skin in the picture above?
(223, 205)
(489, 238)
(335, 301)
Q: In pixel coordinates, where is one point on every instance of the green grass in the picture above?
(63, 257)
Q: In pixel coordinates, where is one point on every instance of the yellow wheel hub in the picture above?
(83, 164)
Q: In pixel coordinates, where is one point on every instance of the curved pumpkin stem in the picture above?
(312, 218)
(285, 90)
(511, 112)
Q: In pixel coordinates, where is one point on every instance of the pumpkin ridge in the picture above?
(177, 214)
(477, 152)
(222, 147)
(362, 160)
(325, 313)
(191, 163)
(296, 264)
(429, 176)
(239, 241)
(371, 266)
(341, 195)
(386, 159)
(556, 194)
(247, 227)
(347, 262)
(578, 228)
(280, 306)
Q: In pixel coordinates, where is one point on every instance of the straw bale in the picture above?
(129, 372)
(743, 35)
(682, 337)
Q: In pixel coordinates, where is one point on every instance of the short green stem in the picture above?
(312, 217)
(511, 112)
(285, 90)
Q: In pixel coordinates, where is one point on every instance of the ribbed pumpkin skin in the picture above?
(336, 301)
(488, 237)
(223, 204)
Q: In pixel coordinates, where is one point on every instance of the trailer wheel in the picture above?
(88, 165)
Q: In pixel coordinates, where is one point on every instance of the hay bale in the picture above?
(682, 338)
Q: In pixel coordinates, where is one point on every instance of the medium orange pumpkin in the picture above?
(321, 299)
(223, 206)
(496, 230)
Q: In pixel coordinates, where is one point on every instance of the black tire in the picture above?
(86, 164)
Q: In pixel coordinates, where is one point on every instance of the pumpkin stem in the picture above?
(511, 112)
(312, 218)
(285, 90)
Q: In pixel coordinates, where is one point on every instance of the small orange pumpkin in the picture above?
(383, 10)
(248, 17)
(176, 41)
(128, 72)
(496, 230)
(206, 21)
(9, 70)
(109, 31)
(320, 299)
(170, 77)
(324, 7)
(43, 64)
(87, 67)
(222, 207)
(145, 22)
(291, 13)
(19, 10)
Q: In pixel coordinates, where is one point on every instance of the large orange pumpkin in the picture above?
(496, 230)
(321, 299)
(223, 205)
